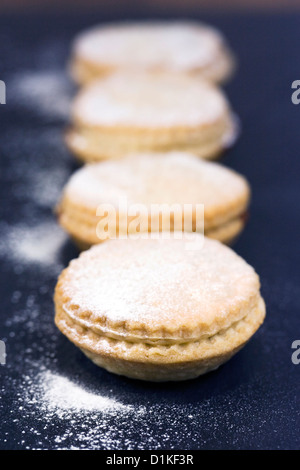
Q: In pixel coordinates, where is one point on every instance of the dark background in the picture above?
(252, 402)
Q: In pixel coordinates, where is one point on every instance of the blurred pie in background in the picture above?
(155, 310)
(177, 179)
(177, 47)
(137, 112)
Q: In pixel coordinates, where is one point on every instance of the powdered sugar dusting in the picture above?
(176, 46)
(41, 165)
(44, 92)
(63, 401)
(62, 396)
(39, 244)
(134, 99)
(157, 178)
(158, 284)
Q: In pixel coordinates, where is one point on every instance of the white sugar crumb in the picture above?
(46, 185)
(136, 179)
(181, 46)
(89, 419)
(130, 280)
(60, 395)
(132, 99)
(76, 418)
(36, 182)
(40, 244)
(44, 92)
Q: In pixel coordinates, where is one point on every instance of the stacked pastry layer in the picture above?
(176, 47)
(166, 303)
(157, 310)
(128, 113)
(133, 187)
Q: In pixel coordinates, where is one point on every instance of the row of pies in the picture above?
(148, 117)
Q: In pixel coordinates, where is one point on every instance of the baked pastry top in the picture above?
(159, 310)
(158, 291)
(136, 112)
(144, 101)
(177, 47)
(171, 178)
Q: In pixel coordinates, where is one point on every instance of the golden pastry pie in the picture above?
(126, 113)
(158, 310)
(178, 47)
(178, 180)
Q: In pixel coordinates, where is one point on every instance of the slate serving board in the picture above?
(252, 402)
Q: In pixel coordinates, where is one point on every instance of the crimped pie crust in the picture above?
(127, 113)
(128, 100)
(178, 47)
(172, 178)
(179, 361)
(120, 288)
(157, 303)
(157, 310)
(84, 234)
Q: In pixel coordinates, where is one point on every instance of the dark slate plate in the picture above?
(51, 395)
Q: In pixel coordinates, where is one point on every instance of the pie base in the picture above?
(84, 234)
(92, 145)
(160, 363)
(85, 67)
